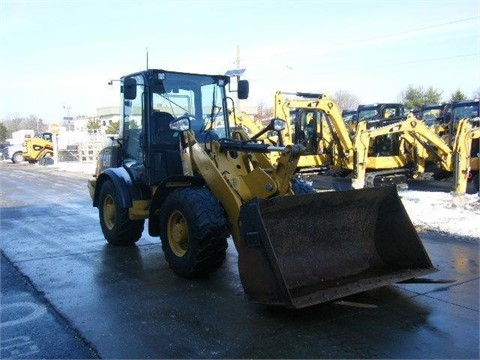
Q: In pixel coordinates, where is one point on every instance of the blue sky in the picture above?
(63, 53)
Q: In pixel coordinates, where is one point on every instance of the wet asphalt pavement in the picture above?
(67, 294)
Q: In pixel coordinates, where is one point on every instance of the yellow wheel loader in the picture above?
(198, 180)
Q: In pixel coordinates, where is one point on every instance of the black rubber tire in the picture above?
(475, 183)
(17, 157)
(46, 159)
(301, 187)
(116, 226)
(193, 231)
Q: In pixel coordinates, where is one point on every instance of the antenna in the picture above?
(147, 57)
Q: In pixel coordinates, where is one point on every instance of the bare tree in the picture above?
(346, 100)
(263, 111)
(31, 122)
(476, 94)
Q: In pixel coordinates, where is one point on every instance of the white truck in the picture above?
(14, 150)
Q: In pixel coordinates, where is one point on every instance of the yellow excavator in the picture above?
(449, 158)
(424, 147)
(198, 180)
(375, 152)
(333, 146)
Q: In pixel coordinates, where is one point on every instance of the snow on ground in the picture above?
(428, 210)
(77, 167)
(436, 211)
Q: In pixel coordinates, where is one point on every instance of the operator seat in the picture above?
(165, 145)
(161, 134)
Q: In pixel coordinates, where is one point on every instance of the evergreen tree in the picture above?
(416, 97)
(3, 132)
(458, 95)
(113, 127)
(93, 124)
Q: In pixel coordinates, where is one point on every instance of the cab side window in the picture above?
(132, 132)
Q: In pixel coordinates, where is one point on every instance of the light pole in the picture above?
(67, 117)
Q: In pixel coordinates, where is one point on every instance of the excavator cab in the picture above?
(307, 129)
(376, 116)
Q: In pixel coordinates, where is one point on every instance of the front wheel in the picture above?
(116, 226)
(46, 159)
(193, 230)
(17, 157)
(475, 181)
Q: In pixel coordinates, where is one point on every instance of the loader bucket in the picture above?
(306, 249)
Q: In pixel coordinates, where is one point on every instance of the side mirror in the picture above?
(243, 89)
(129, 88)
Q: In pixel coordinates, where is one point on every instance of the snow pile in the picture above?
(77, 167)
(436, 211)
(428, 210)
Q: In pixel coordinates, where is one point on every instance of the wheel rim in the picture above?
(18, 157)
(109, 212)
(177, 233)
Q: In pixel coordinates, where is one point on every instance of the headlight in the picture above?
(182, 124)
(278, 124)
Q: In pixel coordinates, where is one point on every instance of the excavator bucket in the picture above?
(306, 249)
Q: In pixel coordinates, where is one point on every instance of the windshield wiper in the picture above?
(174, 103)
(213, 114)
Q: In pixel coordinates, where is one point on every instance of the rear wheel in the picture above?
(116, 226)
(17, 157)
(193, 232)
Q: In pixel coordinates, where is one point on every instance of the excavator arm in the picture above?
(324, 104)
(463, 162)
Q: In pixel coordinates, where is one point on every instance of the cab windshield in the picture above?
(469, 111)
(199, 96)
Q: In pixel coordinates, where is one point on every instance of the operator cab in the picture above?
(377, 115)
(152, 100)
(432, 114)
(459, 110)
(307, 129)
